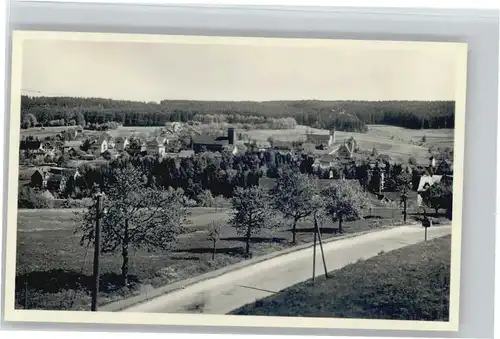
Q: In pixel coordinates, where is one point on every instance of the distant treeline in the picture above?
(343, 115)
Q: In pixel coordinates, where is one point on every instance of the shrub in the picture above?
(205, 199)
(30, 198)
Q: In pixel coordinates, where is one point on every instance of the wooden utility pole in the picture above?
(97, 251)
(320, 245)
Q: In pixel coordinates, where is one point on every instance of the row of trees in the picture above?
(140, 214)
(299, 196)
(343, 115)
(220, 174)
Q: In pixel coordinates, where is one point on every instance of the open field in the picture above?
(121, 131)
(411, 283)
(435, 137)
(397, 142)
(128, 130)
(43, 132)
(51, 264)
(36, 220)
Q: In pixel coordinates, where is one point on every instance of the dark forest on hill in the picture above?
(342, 115)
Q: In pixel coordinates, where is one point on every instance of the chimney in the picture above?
(230, 135)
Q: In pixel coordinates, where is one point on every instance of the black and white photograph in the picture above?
(282, 182)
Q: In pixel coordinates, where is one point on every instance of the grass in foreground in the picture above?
(411, 283)
(55, 272)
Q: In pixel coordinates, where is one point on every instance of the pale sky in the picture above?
(159, 71)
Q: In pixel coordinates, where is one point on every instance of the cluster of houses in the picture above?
(327, 152)
(53, 179)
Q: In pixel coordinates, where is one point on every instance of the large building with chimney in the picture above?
(206, 143)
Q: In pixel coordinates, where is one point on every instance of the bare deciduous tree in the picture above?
(214, 230)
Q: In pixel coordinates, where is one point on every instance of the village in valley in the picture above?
(53, 161)
(206, 190)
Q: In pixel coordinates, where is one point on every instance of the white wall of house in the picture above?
(161, 151)
(104, 146)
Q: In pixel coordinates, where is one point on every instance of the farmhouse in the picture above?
(99, 147)
(121, 143)
(75, 144)
(31, 145)
(106, 137)
(323, 140)
(56, 183)
(70, 172)
(156, 147)
(54, 178)
(325, 161)
(208, 143)
(39, 178)
(426, 181)
(167, 137)
(136, 146)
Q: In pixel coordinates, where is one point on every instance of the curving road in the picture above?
(232, 290)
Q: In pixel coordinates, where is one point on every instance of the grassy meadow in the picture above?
(411, 283)
(121, 131)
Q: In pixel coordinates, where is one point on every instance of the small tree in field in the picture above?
(293, 196)
(252, 212)
(402, 182)
(138, 216)
(214, 230)
(345, 201)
